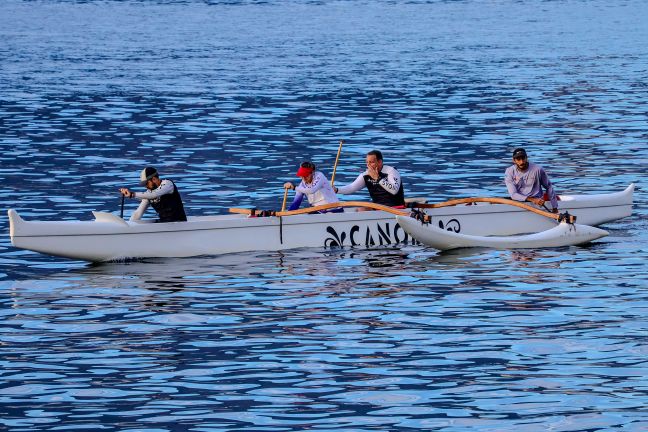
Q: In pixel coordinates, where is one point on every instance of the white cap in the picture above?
(147, 174)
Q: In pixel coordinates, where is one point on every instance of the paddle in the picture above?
(121, 214)
(283, 205)
(337, 158)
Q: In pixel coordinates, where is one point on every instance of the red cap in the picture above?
(304, 172)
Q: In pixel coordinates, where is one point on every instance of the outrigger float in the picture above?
(487, 222)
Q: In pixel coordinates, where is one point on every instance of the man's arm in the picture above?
(357, 184)
(296, 202)
(546, 184)
(137, 214)
(166, 187)
(390, 180)
(512, 188)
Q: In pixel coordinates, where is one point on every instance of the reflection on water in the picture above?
(332, 338)
(226, 98)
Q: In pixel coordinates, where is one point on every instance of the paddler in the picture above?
(525, 181)
(382, 181)
(314, 186)
(163, 195)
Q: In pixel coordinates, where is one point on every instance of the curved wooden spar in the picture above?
(506, 201)
(374, 206)
(370, 205)
(306, 210)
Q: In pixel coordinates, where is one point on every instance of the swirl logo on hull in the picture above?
(451, 225)
(378, 235)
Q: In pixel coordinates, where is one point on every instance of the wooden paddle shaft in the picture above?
(337, 158)
(283, 205)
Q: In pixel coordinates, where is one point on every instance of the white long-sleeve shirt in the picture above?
(529, 183)
(166, 187)
(318, 192)
(391, 183)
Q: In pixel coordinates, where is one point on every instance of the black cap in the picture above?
(519, 153)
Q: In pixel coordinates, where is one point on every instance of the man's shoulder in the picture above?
(166, 184)
(535, 167)
(388, 168)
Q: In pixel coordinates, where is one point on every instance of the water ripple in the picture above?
(226, 98)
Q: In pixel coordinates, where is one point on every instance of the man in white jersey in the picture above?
(382, 181)
(163, 195)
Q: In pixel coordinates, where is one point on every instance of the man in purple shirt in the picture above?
(525, 181)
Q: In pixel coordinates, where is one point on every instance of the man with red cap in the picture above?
(163, 195)
(314, 186)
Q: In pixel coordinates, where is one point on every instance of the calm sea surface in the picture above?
(226, 98)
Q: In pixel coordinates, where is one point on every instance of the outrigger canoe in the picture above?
(109, 237)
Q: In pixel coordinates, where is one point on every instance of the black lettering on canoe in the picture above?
(384, 235)
(397, 239)
(369, 240)
(451, 225)
(354, 230)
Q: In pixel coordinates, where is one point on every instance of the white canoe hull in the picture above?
(108, 240)
(109, 237)
(563, 234)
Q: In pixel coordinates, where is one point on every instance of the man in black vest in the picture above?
(163, 195)
(382, 181)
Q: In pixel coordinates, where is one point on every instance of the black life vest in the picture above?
(169, 207)
(380, 196)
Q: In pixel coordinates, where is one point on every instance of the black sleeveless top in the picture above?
(380, 196)
(169, 207)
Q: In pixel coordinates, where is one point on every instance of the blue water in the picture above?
(226, 98)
